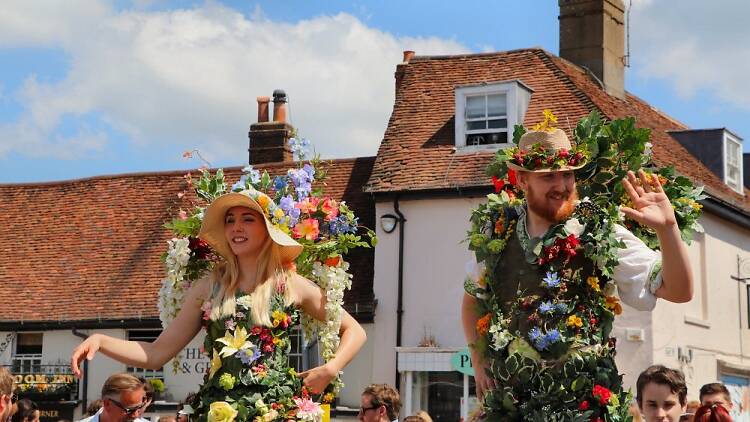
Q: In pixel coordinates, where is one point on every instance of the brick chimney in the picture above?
(269, 140)
(592, 35)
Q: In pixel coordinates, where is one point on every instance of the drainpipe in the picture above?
(400, 306)
(84, 393)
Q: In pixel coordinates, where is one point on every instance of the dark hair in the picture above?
(26, 409)
(94, 407)
(714, 388)
(384, 395)
(660, 374)
(712, 413)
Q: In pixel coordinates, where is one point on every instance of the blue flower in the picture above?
(553, 336)
(278, 183)
(341, 224)
(538, 339)
(551, 280)
(248, 356)
(253, 174)
(546, 308)
(561, 308)
(310, 170)
(241, 184)
(287, 203)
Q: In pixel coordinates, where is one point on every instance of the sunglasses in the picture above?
(128, 410)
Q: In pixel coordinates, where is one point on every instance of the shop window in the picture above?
(27, 354)
(739, 391)
(444, 393)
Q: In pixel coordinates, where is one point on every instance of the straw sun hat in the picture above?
(552, 143)
(212, 229)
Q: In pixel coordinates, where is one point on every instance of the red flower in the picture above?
(602, 394)
(584, 405)
(512, 177)
(499, 183)
(333, 261)
(563, 153)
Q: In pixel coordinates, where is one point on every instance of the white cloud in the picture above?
(190, 77)
(696, 45)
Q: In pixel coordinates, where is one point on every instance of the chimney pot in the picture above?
(279, 105)
(263, 109)
(408, 54)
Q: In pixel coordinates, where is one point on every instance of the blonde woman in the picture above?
(248, 306)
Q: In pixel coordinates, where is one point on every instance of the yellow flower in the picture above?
(221, 411)
(263, 201)
(215, 365)
(574, 321)
(278, 213)
(328, 398)
(278, 317)
(548, 124)
(277, 341)
(234, 343)
(594, 283)
(613, 304)
(292, 373)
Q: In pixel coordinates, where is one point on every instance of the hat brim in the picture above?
(543, 170)
(212, 229)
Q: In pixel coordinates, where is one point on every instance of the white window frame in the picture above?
(738, 184)
(26, 360)
(516, 104)
(142, 372)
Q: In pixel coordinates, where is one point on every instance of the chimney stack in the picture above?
(592, 35)
(269, 141)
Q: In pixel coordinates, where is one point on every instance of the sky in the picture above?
(95, 87)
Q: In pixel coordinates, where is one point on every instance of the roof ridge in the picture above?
(469, 55)
(159, 173)
(546, 58)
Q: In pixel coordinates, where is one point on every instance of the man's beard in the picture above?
(542, 208)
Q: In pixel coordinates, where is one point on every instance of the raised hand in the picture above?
(651, 206)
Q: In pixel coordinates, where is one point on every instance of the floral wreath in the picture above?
(295, 204)
(573, 332)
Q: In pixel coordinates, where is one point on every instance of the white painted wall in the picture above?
(357, 375)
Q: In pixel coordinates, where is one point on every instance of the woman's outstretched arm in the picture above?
(353, 337)
(148, 355)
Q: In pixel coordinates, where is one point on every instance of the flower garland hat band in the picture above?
(212, 229)
(547, 150)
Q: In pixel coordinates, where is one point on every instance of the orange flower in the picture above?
(594, 283)
(333, 261)
(309, 205)
(330, 208)
(308, 229)
(500, 225)
(483, 324)
(613, 304)
(264, 201)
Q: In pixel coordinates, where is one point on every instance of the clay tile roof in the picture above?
(90, 249)
(417, 151)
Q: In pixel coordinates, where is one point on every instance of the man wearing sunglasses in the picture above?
(123, 398)
(7, 397)
(379, 403)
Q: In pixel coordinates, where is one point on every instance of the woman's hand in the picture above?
(481, 379)
(318, 378)
(86, 350)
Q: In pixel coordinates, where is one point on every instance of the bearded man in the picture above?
(539, 314)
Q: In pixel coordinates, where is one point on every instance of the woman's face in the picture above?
(245, 231)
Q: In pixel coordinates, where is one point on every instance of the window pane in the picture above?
(482, 124)
(733, 153)
(475, 107)
(496, 105)
(497, 124)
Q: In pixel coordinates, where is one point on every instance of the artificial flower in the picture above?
(330, 208)
(215, 364)
(226, 381)
(573, 226)
(308, 410)
(574, 321)
(593, 282)
(221, 411)
(234, 342)
(602, 394)
(309, 229)
(613, 304)
(483, 324)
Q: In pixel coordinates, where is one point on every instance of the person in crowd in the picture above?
(413, 418)
(712, 413)
(661, 394)
(424, 415)
(168, 418)
(690, 409)
(635, 412)
(93, 407)
(715, 393)
(379, 403)
(149, 399)
(26, 411)
(184, 409)
(7, 397)
(123, 396)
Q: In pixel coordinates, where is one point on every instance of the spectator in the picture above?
(149, 399)
(26, 411)
(168, 418)
(94, 407)
(424, 415)
(661, 394)
(7, 398)
(413, 418)
(715, 393)
(635, 412)
(123, 396)
(185, 408)
(379, 403)
(712, 413)
(690, 409)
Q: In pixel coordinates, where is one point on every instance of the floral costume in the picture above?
(250, 378)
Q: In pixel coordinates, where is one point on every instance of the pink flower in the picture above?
(330, 208)
(183, 215)
(308, 409)
(309, 205)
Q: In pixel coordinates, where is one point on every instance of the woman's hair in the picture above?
(712, 413)
(94, 407)
(224, 283)
(26, 409)
(424, 415)
(414, 418)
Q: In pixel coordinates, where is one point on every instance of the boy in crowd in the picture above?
(661, 394)
(715, 393)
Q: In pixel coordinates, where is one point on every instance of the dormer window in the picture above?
(733, 162)
(486, 114)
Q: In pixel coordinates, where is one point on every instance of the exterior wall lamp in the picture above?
(388, 222)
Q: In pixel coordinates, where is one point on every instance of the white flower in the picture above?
(244, 301)
(574, 227)
(647, 149)
(500, 336)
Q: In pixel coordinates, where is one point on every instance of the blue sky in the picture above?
(101, 87)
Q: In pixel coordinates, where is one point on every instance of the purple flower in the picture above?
(310, 170)
(546, 308)
(253, 174)
(248, 356)
(287, 204)
(551, 280)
